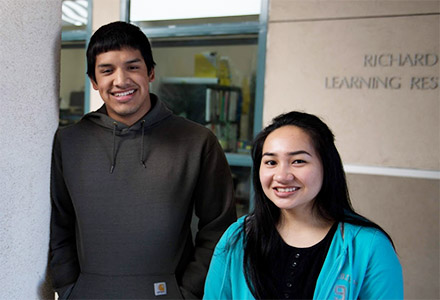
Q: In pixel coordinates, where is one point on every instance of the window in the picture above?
(73, 80)
(210, 69)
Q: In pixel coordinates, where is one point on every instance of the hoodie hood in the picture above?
(155, 115)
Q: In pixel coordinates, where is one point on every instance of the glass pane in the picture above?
(206, 71)
(74, 14)
(242, 186)
(210, 81)
(72, 82)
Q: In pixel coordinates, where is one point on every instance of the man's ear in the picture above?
(94, 83)
(151, 75)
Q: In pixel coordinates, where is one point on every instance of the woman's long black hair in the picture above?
(332, 202)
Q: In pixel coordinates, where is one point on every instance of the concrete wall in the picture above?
(388, 136)
(29, 58)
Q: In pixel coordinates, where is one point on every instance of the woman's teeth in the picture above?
(286, 190)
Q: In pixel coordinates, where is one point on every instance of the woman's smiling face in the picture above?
(291, 172)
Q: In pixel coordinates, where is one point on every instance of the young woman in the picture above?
(303, 239)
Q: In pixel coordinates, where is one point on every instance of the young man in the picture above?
(125, 182)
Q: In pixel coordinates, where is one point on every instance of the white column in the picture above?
(29, 80)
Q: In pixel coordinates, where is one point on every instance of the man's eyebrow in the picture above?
(134, 60)
(104, 65)
(290, 153)
(131, 61)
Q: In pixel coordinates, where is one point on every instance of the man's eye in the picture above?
(104, 71)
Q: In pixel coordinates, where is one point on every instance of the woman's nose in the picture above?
(284, 175)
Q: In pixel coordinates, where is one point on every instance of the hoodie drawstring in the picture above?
(115, 125)
(142, 144)
(142, 160)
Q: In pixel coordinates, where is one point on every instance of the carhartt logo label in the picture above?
(160, 288)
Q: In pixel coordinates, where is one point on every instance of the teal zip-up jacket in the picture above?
(361, 264)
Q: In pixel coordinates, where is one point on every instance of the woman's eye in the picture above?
(270, 163)
(299, 161)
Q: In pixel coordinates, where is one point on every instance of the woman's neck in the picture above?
(302, 229)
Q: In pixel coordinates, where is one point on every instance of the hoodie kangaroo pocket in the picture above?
(92, 286)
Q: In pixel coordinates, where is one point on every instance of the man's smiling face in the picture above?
(122, 80)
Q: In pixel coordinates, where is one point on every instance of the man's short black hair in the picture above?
(116, 36)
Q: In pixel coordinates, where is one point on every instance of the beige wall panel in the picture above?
(397, 126)
(408, 209)
(289, 10)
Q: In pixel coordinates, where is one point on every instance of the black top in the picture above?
(297, 269)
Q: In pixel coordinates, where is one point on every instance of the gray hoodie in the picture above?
(122, 203)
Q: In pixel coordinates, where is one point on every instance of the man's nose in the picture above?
(121, 78)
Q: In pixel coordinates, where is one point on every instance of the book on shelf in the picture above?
(222, 105)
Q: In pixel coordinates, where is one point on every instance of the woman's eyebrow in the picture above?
(290, 153)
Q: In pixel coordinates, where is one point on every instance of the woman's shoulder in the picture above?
(363, 234)
(236, 227)
(233, 233)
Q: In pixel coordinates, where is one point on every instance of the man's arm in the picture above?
(215, 208)
(63, 258)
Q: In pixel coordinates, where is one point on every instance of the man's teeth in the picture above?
(124, 93)
(286, 190)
